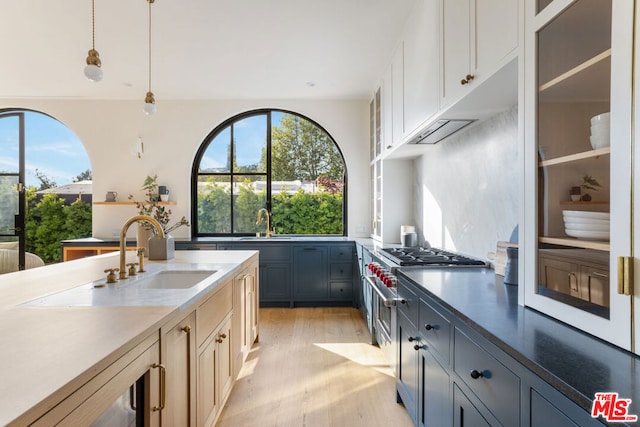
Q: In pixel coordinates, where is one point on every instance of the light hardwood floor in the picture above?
(313, 367)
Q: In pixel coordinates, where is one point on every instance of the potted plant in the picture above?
(589, 183)
(151, 206)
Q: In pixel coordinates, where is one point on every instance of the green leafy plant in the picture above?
(151, 206)
(589, 183)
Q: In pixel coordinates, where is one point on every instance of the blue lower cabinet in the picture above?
(448, 373)
(275, 284)
(310, 278)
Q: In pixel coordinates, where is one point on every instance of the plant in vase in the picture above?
(589, 183)
(151, 206)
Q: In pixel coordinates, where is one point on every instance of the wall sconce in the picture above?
(138, 149)
(93, 71)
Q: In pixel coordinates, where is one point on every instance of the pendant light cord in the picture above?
(93, 24)
(149, 1)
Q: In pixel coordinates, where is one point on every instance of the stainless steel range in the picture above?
(383, 281)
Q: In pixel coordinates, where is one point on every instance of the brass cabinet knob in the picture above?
(187, 329)
(467, 79)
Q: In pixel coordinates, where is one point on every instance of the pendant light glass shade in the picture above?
(93, 71)
(149, 104)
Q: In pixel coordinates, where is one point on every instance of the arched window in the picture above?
(271, 159)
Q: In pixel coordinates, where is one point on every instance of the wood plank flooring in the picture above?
(313, 367)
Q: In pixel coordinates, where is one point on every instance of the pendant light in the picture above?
(93, 71)
(149, 100)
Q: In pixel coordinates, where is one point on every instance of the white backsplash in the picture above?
(466, 187)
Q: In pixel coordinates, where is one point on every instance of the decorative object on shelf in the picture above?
(152, 207)
(149, 100)
(589, 183)
(600, 131)
(576, 193)
(93, 70)
(164, 193)
(111, 196)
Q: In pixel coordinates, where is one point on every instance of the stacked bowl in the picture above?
(586, 225)
(600, 130)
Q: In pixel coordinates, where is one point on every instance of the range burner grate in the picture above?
(418, 256)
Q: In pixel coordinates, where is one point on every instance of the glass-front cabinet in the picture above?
(578, 151)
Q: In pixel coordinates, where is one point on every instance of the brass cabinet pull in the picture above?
(467, 79)
(163, 386)
(187, 329)
(625, 275)
(598, 274)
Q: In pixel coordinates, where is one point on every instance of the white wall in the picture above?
(108, 130)
(466, 187)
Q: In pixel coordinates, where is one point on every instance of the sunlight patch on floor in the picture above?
(361, 353)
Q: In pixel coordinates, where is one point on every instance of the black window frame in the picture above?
(195, 172)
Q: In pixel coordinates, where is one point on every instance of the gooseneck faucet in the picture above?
(267, 214)
(123, 237)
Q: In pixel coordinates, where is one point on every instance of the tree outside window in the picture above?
(273, 159)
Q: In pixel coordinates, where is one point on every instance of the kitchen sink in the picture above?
(173, 279)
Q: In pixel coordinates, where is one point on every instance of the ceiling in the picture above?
(201, 49)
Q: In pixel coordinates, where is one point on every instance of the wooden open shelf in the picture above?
(583, 204)
(130, 203)
(591, 154)
(598, 245)
(591, 64)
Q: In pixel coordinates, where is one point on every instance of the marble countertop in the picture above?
(575, 363)
(52, 347)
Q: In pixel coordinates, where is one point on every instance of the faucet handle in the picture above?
(141, 252)
(132, 268)
(111, 277)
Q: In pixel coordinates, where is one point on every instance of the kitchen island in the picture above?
(54, 346)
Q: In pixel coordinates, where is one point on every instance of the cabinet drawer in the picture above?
(435, 328)
(341, 253)
(211, 312)
(341, 290)
(409, 304)
(341, 271)
(497, 387)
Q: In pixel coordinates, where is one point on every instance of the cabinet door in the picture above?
(310, 277)
(275, 281)
(578, 64)
(421, 72)
(436, 393)
(397, 96)
(464, 413)
(407, 370)
(215, 373)
(496, 33)
(456, 52)
(179, 356)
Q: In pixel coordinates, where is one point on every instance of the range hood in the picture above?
(439, 130)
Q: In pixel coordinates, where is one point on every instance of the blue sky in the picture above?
(50, 147)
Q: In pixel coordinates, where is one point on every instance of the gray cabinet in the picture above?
(449, 373)
(298, 273)
(310, 273)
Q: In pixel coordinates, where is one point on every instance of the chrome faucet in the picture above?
(267, 214)
(123, 237)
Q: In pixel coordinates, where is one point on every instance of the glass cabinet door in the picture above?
(580, 128)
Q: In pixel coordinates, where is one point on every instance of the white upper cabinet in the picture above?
(578, 66)
(397, 97)
(478, 37)
(421, 65)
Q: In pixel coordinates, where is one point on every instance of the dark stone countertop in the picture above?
(575, 363)
(184, 241)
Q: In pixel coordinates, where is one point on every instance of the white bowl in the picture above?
(599, 142)
(577, 222)
(596, 235)
(600, 128)
(586, 214)
(586, 227)
(600, 118)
